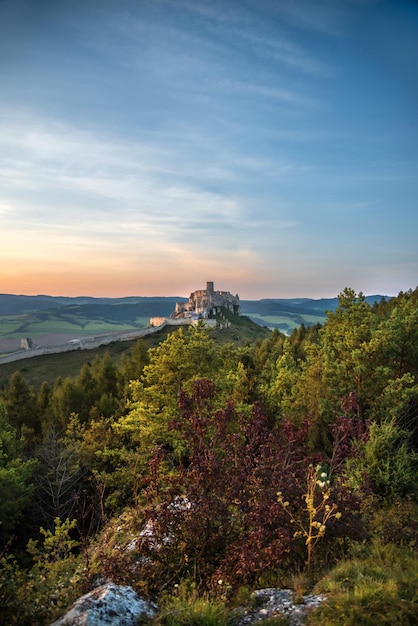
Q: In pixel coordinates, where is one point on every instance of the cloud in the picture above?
(63, 182)
(322, 16)
(257, 90)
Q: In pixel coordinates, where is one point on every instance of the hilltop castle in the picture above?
(202, 304)
(206, 303)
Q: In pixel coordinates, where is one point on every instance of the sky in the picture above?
(150, 146)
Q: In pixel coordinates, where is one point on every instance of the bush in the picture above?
(40, 594)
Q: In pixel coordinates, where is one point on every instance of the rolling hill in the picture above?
(46, 319)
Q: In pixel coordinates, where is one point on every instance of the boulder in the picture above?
(269, 603)
(107, 605)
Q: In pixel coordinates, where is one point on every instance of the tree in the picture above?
(15, 479)
(20, 403)
(59, 479)
(182, 358)
(132, 366)
(387, 462)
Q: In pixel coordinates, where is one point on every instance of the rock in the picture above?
(275, 602)
(107, 605)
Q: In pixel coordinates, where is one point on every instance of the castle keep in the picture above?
(206, 303)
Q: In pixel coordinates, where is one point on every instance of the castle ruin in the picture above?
(207, 303)
(203, 304)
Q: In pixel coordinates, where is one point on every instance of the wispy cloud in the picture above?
(322, 16)
(254, 90)
(58, 177)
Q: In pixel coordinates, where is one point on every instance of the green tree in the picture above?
(396, 340)
(21, 404)
(15, 479)
(183, 357)
(43, 408)
(387, 461)
(132, 365)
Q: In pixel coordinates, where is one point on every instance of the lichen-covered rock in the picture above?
(274, 602)
(107, 605)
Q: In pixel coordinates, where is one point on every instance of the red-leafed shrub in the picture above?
(217, 518)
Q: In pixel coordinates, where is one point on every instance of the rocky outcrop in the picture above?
(114, 605)
(107, 605)
(274, 602)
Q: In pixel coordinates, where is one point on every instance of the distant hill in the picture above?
(289, 313)
(16, 305)
(45, 318)
(51, 320)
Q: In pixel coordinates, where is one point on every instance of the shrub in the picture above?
(39, 594)
(218, 517)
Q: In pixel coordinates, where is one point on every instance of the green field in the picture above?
(37, 324)
(285, 323)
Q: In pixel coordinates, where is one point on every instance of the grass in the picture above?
(194, 612)
(378, 588)
(187, 608)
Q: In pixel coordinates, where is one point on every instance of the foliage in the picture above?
(40, 594)
(15, 479)
(19, 401)
(182, 358)
(387, 462)
(395, 522)
(218, 517)
(187, 443)
(356, 354)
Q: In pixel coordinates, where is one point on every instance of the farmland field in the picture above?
(46, 328)
(286, 323)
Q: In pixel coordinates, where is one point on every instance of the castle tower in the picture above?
(209, 288)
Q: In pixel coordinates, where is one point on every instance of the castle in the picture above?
(202, 304)
(206, 303)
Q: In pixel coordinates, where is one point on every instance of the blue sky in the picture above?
(148, 146)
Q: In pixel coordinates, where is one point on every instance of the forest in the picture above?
(196, 472)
